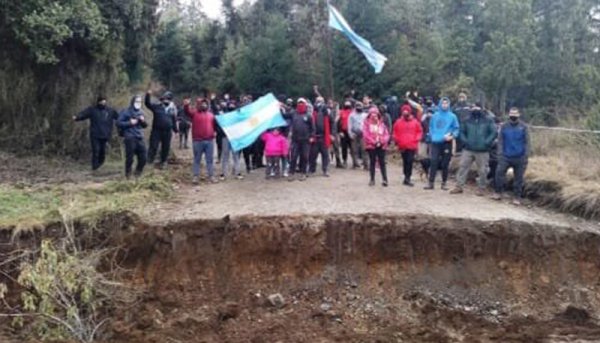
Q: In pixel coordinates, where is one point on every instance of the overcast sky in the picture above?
(212, 8)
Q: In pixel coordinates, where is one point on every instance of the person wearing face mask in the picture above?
(203, 135)
(324, 128)
(302, 131)
(407, 135)
(345, 140)
(443, 129)
(462, 109)
(228, 150)
(477, 135)
(131, 122)
(356, 121)
(376, 138)
(513, 152)
(163, 124)
(102, 118)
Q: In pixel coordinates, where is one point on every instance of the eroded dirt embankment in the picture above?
(359, 278)
(362, 279)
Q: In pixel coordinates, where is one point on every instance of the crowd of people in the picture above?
(358, 135)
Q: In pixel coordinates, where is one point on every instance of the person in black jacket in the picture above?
(324, 128)
(302, 131)
(183, 127)
(102, 119)
(163, 124)
(131, 122)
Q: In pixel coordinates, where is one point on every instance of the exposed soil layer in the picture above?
(364, 278)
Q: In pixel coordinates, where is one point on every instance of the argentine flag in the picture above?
(245, 125)
(336, 21)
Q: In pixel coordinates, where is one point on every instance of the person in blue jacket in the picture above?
(443, 130)
(513, 152)
(131, 124)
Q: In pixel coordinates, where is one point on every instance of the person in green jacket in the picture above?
(477, 135)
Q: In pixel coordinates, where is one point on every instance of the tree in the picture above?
(169, 54)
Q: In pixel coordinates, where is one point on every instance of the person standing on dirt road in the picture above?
(513, 152)
(443, 129)
(163, 124)
(302, 132)
(183, 126)
(376, 139)
(462, 109)
(131, 122)
(228, 150)
(203, 136)
(324, 128)
(477, 135)
(345, 140)
(407, 135)
(102, 118)
(356, 123)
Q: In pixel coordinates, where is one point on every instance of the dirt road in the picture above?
(345, 192)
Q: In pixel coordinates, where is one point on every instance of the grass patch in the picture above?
(564, 172)
(37, 206)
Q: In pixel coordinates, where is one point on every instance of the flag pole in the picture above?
(330, 48)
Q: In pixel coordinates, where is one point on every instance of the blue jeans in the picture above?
(206, 148)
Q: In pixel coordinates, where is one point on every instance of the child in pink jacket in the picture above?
(276, 150)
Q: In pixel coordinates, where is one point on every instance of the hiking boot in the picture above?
(429, 187)
(444, 186)
(496, 197)
(372, 183)
(456, 190)
(302, 177)
(384, 183)
(196, 180)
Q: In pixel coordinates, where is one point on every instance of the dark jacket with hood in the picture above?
(124, 122)
(165, 117)
(322, 114)
(443, 122)
(478, 132)
(302, 124)
(514, 140)
(102, 120)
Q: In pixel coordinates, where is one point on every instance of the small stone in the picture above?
(325, 307)
(276, 300)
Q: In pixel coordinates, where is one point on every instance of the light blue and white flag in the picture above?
(245, 125)
(336, 21)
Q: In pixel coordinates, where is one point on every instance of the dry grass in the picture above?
(26, 208)
(564, 172)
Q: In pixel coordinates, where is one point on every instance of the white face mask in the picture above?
(137, 105)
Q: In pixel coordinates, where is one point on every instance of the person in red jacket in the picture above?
(407, 135)
(203, 136)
